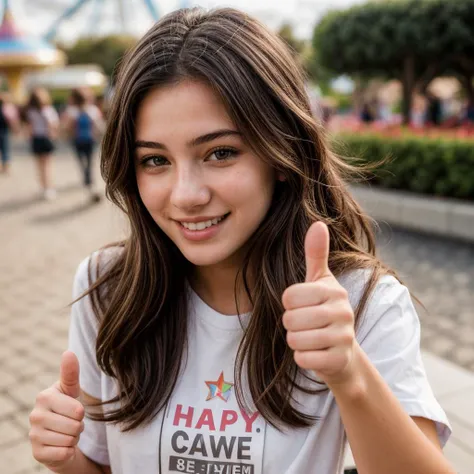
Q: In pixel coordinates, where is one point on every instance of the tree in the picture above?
(105, 51)
(287, 35)
(413, 41)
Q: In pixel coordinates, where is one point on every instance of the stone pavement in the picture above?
(41, 244)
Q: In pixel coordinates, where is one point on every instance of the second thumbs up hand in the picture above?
(57, 418)
(319, 318)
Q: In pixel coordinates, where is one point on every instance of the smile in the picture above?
(203, 224)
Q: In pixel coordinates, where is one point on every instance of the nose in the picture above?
(189, 189)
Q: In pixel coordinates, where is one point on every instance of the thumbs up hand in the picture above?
(318, 316)
(57, 418)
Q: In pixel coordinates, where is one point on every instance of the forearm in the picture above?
(80, 464)
(382, 436)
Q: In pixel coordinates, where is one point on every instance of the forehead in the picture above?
(190, 106)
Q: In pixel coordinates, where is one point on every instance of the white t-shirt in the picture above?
(40, 121)
(203, 430)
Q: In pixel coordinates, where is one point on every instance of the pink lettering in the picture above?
(229, 417)
(249, 420)
(206, 419)
(179, 415)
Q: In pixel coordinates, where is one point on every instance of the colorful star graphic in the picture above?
(219, 388)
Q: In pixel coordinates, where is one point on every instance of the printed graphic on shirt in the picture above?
(211, 434)
(219, 388)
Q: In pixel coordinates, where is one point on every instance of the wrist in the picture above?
(352, 385)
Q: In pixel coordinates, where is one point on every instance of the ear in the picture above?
(281, 177)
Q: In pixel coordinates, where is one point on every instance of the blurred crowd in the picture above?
(427, 111)
(80, 121)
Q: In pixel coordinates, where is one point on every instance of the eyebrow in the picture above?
(208, 137)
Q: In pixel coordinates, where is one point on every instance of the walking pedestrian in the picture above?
(84, 123)
(9, 122)
(246, 323)
(43, 124)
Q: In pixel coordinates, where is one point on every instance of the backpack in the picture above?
(84, 127)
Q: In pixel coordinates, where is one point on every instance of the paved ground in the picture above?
(440, 273)
(41, 244)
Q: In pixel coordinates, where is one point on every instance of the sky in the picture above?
(36, 16)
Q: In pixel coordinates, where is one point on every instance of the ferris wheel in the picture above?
(92, 16)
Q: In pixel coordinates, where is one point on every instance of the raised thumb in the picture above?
(316, 249)
(69, 375)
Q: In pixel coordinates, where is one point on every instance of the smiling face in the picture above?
(198, 179)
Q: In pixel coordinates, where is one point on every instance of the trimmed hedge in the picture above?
(437, 167)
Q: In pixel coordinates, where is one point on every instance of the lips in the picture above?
(204, 224)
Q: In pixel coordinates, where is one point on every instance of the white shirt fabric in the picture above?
(203, 430)
(41, 121)
(72, 111)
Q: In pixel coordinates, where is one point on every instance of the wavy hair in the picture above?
(141, 301)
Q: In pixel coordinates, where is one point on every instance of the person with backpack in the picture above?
(84, 122)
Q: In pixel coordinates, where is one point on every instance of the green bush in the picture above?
(438, 167)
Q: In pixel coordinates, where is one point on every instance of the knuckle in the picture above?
(42, 397)
(36, 417)
(340, 292)
(77, 428)
(347, 337)
(346, 314)
(343, 292)
(79, 411)
(33, 436)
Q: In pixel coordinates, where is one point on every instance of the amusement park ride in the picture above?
(98, 7)
(21, 53)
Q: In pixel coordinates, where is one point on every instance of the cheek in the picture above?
(249, 188)
(151, 192)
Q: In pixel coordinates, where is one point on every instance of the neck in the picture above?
(216, 286)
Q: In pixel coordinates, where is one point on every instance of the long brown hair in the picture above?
(141, 301)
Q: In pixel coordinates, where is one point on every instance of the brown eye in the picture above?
(153, 161)
(222, 154)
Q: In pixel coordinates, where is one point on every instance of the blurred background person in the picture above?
(43, 123)
(9, 122)
(84, 123)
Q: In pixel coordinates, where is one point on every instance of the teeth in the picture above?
(201, 225)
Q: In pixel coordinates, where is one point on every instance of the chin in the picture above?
(201, 257)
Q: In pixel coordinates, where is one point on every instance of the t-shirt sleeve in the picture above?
(52, 116)
(82, 341)
(390, 335)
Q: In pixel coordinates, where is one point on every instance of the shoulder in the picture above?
(71, 112)
(51, 111)
(389, 305)
(355, 282)
(94, 266)
(93, 111)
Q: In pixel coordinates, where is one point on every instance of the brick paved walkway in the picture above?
(41, 244)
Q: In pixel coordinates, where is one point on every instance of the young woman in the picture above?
(83, 121)
(43, 124)
(246, 325)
